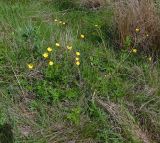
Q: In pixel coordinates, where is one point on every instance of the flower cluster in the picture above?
(134, 50)
(60, 22)
(77, 58)
(46, 56)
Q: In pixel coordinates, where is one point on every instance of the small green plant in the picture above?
(48, 92)
(127, 42)
(74, 115)
(65, 4)
(3, 118)
(34, 105)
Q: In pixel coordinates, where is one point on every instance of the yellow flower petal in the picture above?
(77, 59)
(30, 66)
(49, 49)
(78, 53)
(57, 45)
(50, 63)
(134, 50)
(82, 36)
(150, 58)
(69, 47)
(137, 30)
(77, 63)
(45, 55)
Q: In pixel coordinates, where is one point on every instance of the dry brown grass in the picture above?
(141, 14)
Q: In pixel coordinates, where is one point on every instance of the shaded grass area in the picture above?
(55, 103)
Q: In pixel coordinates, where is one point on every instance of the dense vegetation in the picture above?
(71, 72)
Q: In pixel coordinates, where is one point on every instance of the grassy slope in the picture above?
(56, 104)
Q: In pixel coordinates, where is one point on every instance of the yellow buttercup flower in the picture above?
(134, 50)
(60, 22)
(64, 23)
(50, 63)
(69, 47)
(55, 20)
(45, 55)
(82, 36)
(30, 66)
(77, 59)
(49, 49)
(57, 45)
(150, 58)
(77, 63)
(78, 53)
(137, 30)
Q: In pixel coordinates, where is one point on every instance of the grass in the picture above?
(63, 102)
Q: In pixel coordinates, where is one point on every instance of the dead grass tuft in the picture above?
(141, 14)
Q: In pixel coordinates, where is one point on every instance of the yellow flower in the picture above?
(78, 53)
(30, 66)
(96, 25)
(134, 50)
(64, 23)
(55, 20)
(45, 55)
(57, 45)
(77, 63)
(82, 36)
(77, 59)
(60, 22)
(69, 47)
(49, 49)
(50, 63)
(137, 30)
(150, 58)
